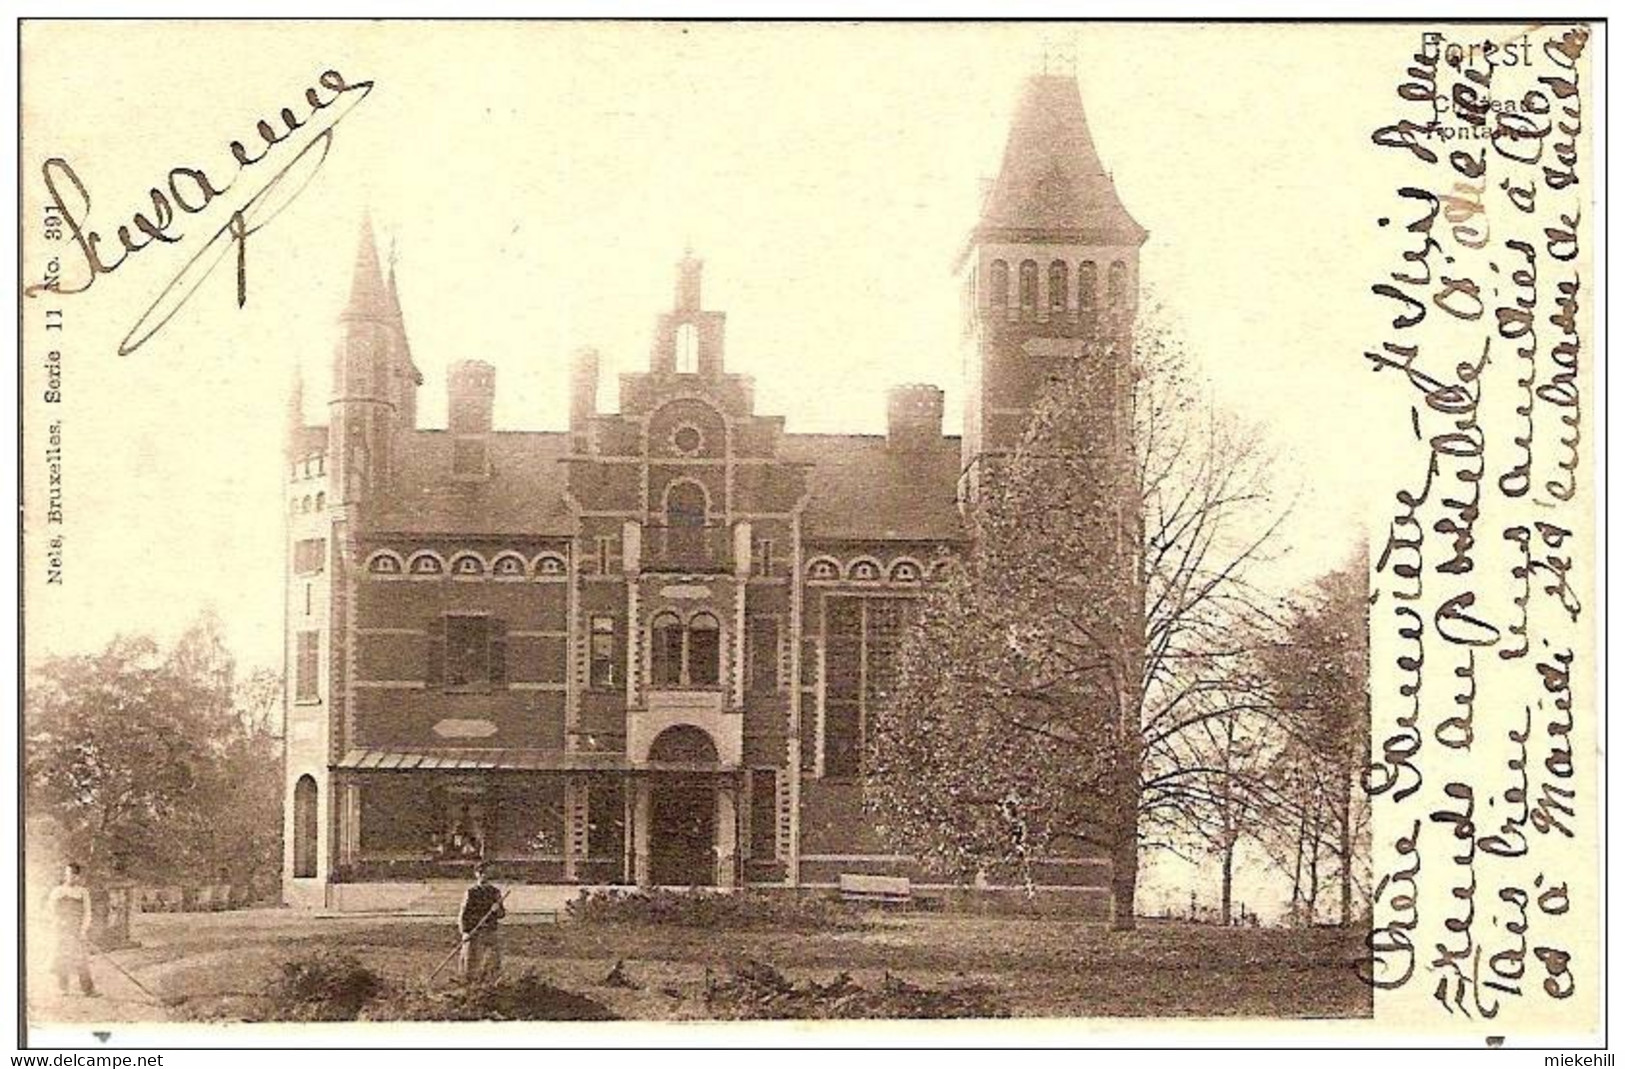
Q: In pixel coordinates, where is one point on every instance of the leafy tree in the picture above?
(1101, 619)
(141, 761)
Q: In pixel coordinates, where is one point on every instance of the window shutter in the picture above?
(497, 644)
(434, 668)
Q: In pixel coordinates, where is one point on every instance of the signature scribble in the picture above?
(190, 191)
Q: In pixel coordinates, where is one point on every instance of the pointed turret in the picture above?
(374, 381)
(369, 294)
(1052, 180)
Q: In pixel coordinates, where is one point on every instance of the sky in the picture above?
(537, 184)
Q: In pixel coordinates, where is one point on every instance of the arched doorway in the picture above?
(682, 811)
(304, 827)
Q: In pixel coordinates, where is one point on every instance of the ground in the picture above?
(214, 966)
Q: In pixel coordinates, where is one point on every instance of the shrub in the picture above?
(329, 986)
(325, 986)
(757, 990)
(526, 997)
(741, 911)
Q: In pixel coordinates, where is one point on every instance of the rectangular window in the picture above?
(309, 555)
(605, 665)
(399, 816)
(606, 551)
(307, 667)
(862, 638)
(764, 556)
(811, 668)
(764, 814)
(606, 819)
(763, 642)
(528, 819)
(468, 652)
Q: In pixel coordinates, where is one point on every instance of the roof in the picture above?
(524, 495)
(863, 488)
(1052, 178)
(511, 759)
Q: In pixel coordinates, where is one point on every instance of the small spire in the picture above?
(689, 270)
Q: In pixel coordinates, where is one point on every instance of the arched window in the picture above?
(998, 284)
(685, 505)
(704, 650)
(685, 656)
(509, 566)
(1057, 285)
(321, 501)
(905, 571)
(549, 564)
(688, 349)
(864, 571)
(1029, 285)
(425, 564)
(1117, 285)
(1088, 286)
(467, 565)
(685, 521)
(304, 505)
(823, 568)
(666, 650)
(384, 563)
(304, 828)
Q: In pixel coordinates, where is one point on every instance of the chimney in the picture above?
(471, 391)
(913, 416)
(583, 388)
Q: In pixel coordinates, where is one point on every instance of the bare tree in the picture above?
(1318, 677)
(1101, 621)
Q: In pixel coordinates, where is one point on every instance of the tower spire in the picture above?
(368, 292)
(1052, 180)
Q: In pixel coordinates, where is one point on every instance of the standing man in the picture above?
(69, 907)
(477, 920)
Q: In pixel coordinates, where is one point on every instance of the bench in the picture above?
(881, 890)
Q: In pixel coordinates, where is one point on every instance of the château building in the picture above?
(643, 649)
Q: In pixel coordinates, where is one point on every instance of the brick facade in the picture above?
(643, 649)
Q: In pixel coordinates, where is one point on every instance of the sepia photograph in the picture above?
(1068, 533)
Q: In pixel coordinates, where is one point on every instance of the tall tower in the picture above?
(374, 380)
(1051, 268)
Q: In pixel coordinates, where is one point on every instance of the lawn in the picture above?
(215, 967)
